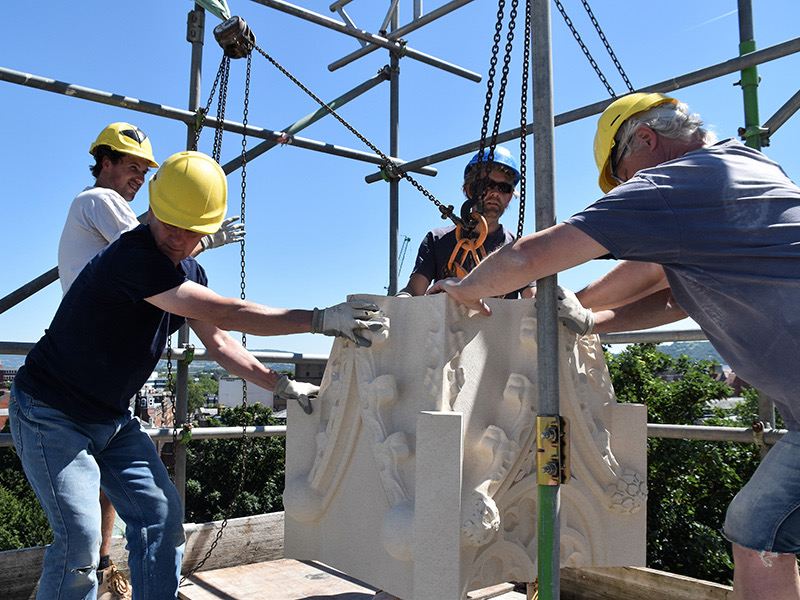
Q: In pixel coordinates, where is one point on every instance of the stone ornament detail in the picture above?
(354, 498)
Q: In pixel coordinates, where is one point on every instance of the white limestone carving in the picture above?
(416, 471)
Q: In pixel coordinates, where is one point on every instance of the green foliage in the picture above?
(22, 521)
(690, 482)
(214, 471)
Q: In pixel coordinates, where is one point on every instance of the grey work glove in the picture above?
(227, 234)
(572, 313)
(289, 389)
(352, 320)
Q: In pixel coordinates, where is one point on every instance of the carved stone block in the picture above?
(415, 472)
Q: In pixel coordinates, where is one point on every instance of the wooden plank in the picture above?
(19, 573)
(245, 540)
(635, 583)
(283, 579)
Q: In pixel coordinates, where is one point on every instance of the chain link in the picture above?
(588, 54)
(204, 111)
(607, 45)
(523, 120)
(245, 439)
(487, 106)
(394, 169)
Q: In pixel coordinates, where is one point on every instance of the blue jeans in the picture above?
(67, 462)
(765, 514)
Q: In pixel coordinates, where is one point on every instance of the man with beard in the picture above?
(440, 255)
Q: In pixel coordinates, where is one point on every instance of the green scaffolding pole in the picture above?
(752, 131)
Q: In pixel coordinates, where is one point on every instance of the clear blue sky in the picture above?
(316, 230)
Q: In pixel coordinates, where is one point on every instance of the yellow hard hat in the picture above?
(128, 139)
(190, 191)
(610, 121)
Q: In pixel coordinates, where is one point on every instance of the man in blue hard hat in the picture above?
(495, 175)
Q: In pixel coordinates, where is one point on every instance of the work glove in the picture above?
(402, 295)
(352, 320)
(572, 313)
(289, 389)
(227, 234)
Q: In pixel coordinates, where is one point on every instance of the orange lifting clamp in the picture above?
(468, 248)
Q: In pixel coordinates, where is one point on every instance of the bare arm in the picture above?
(197, 302)
(515, 265)
(417, 284)
(232, 356)
(656, 309)
(627, 282)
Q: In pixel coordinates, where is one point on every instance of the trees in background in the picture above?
(214, 468)
(690, 482)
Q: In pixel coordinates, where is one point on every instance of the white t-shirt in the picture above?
(97, 217)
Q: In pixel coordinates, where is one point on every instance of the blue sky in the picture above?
(316, 231)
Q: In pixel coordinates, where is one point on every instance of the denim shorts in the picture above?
(765, 514)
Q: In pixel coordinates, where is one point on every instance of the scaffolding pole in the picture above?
(751, 132)
(668, 85)
(378, 40)
(549, 496)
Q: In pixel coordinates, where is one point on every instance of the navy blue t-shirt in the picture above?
(105, 339)
(435, 250)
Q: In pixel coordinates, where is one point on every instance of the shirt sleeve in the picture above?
(426, 258)
(110, 216)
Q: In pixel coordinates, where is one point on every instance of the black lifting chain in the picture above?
(588, 54)
(501, 98)
(395, 169)
(222, 76)
(523, 120)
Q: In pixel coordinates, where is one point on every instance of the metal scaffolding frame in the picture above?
(542, 128)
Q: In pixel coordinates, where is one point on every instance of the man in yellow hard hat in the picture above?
(723, 222)
(101, 213)
(123, 156)
(73, 430)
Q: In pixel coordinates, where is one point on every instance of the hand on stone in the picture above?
(453, 287)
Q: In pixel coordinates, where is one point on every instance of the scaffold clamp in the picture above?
(189, 357)
(186, 434)
(552, 456)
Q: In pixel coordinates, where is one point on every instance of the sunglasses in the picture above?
(615, 163)
(486, 185)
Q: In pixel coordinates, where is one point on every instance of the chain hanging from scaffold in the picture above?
(222, 76)
(474, 203)
(523, 120)
(588, 54)
(243, 460)
(391, 166)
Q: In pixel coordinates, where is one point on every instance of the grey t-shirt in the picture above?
(724, 222)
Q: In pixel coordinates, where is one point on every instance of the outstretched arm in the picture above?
(417, 284)
(232, 356)
(354, 320)
(627, 282)
(197, 302)
(515, 265)
(656, 309)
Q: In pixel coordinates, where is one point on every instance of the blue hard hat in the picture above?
(501, 156)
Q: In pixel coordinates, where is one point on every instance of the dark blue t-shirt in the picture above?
(724, 222)
(435, 250)
(105, 339)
